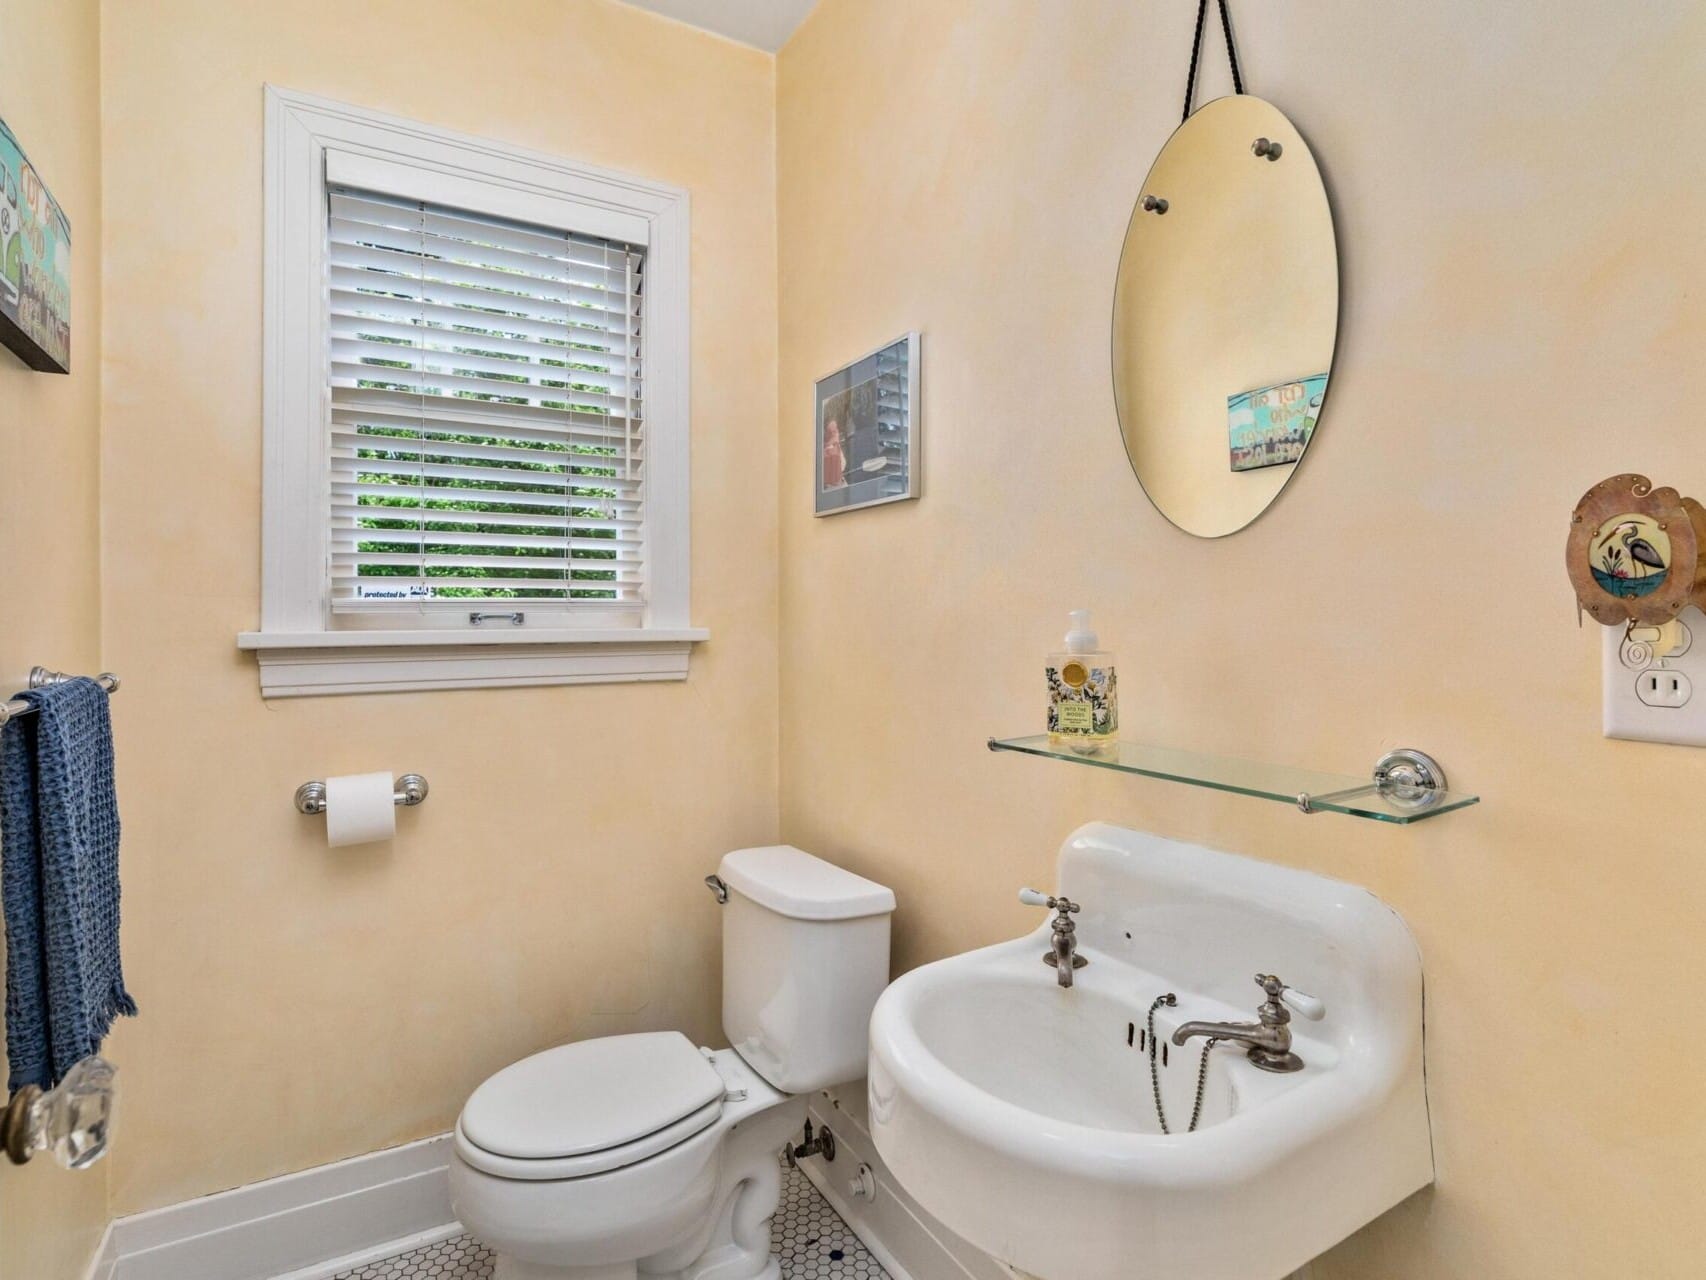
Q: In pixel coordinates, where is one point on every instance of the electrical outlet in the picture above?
(1663, 687)
(1650, 676)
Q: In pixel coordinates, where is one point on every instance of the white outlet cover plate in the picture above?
(1626, 716)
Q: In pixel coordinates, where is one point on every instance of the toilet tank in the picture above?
(805, 956)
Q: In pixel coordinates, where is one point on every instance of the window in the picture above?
(486, 411)
(476, 413)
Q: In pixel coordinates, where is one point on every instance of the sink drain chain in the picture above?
(1155, 1074)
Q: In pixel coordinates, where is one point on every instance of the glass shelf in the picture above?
(1305, 789)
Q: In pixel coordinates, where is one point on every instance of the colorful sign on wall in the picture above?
(35, 264)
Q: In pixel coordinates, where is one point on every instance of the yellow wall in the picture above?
(1520, 215)
(301, 1005)
(50, 1220)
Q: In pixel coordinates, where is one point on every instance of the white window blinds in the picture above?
(486, 422)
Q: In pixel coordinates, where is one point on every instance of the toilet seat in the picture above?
(590, 1107)
(612, 1158)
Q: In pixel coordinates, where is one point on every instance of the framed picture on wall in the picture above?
(867, 430)
(35, 264)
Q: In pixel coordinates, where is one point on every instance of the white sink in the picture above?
(1021, 1114)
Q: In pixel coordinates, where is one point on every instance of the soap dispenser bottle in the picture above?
(1083, 698)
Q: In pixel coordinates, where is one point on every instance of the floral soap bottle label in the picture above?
(1083, 702)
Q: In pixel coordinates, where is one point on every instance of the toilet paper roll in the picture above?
(360, 808)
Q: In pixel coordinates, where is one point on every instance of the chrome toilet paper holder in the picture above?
(411, 789)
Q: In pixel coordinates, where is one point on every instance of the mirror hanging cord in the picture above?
(1196, 54)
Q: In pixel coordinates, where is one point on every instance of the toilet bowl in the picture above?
(642, 1155)
(691, 1198)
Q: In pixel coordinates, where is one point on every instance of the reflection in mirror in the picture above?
(1225, 316)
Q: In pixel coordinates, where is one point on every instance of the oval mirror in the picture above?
(1226, 311)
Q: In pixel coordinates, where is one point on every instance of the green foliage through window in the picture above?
(537, 499)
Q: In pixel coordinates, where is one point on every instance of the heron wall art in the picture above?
(1631, 556)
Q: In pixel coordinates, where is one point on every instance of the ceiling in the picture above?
(764, 23)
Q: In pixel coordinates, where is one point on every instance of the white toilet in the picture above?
(642, 1155)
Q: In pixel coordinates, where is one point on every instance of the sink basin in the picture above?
(1023, 1116)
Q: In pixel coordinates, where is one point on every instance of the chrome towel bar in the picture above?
(411, 790)
(40, 677)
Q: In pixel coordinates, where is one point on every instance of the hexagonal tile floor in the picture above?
(807, 1236)
(459, 1258)
(810, 1239)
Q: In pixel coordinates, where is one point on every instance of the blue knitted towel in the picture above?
(59, 881)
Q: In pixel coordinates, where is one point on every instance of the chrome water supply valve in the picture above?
(823, 1144)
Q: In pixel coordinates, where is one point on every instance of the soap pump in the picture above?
(1083, 698)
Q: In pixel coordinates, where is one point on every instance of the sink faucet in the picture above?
(1063, 946)
(1269, 1038)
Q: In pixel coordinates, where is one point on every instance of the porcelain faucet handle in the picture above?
(1301, 1002)
(1031, 898)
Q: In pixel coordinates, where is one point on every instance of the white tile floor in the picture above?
(812, 1242)
(459, 1258)
(807, 1236)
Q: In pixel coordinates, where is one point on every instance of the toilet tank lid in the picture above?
(792, 883)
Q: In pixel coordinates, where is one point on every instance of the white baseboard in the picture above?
(375, 1253)
(909, 1243)
(313, 1224)
(289, 1226)
(105, 1261)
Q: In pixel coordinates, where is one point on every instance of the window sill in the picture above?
(300, 664)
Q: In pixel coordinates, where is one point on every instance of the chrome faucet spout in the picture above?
(1065, 955)
(1267, 1040)
(1062, 950)
(1249, 1033)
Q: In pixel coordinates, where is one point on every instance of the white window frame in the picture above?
(302, 649)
